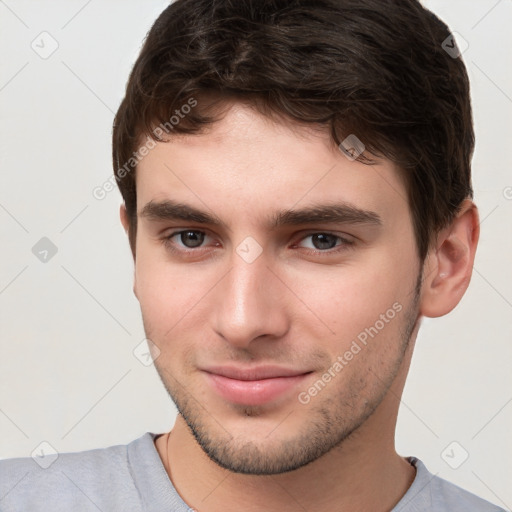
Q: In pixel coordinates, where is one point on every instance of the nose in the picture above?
(250, 303)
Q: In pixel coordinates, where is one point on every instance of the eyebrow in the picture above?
(331, 213)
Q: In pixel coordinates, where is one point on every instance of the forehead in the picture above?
(246, 164)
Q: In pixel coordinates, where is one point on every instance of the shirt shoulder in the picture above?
(429, 492)
(454, 498)
(81, 481)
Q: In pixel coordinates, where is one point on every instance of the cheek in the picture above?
(169, 299)
(166, 292)
(347, 300)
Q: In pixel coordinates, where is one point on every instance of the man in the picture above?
(318, 156)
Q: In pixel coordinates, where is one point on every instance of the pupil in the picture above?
(196, 238)
(322, 241)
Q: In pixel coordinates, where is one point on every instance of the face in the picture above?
(278, 280)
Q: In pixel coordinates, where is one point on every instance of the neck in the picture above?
(353, 477)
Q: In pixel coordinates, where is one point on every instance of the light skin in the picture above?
(292, 307)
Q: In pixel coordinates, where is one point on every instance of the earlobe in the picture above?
(448, 266)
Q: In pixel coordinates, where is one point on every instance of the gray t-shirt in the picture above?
(132, 478)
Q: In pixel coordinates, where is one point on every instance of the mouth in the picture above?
(254, 386)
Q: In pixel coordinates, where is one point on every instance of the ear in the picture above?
(126, 225)
(123, 214)
(124, 217)
(449, 264)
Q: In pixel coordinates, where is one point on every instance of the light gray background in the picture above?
(69, 326)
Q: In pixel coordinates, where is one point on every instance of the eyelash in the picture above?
(343, 246)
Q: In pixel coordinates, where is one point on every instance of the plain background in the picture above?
(69, 326)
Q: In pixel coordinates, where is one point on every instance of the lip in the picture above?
(253, 386)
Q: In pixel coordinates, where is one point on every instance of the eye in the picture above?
(186, 239)
(192, 240)
(325, 242)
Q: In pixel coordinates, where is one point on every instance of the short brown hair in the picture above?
(373, 68)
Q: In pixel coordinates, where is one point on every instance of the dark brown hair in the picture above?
(373, 68)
